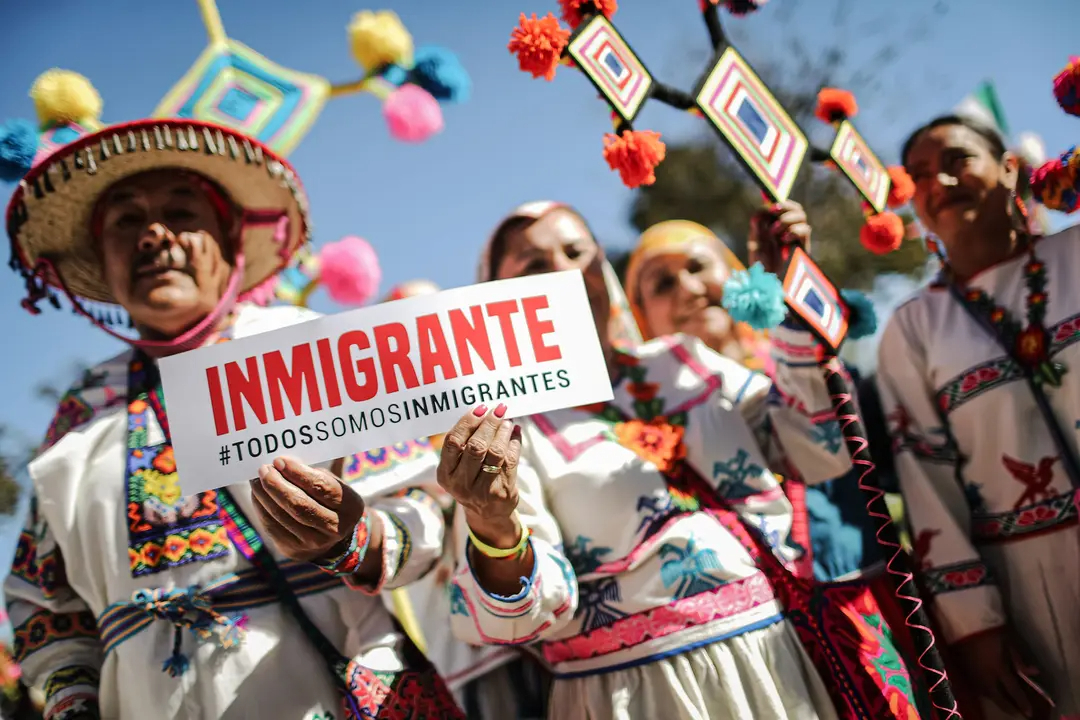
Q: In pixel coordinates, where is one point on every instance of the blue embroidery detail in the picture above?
(734, 474)
(657, 509)
(567, 571)
(584, 559)
(596, 606)
(828, 435)
(457, 600)
(771, 536)
(688, 568)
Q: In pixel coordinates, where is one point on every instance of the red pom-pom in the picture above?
(635, 154)
(882, 233)
(571, 9)
(834, 105)
(1067, 87)
(902, 188)
(1056, 184)
(538, 44)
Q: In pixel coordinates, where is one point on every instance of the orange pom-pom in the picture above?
(834, 105)
(571, 9)
(903, 187)
(538, 44)
(882, 233)
(635, 154)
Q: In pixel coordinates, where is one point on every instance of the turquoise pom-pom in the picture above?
(863, 320)
(439, 71)
(755, 297)
(18, 146)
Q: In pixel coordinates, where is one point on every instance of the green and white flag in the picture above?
(984, 105)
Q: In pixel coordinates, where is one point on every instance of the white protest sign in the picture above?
(368, 378)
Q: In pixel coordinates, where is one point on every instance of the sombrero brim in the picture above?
(49, 216)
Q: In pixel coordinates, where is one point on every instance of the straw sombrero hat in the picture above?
(49, 216)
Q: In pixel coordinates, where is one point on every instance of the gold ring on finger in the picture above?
(493, 469)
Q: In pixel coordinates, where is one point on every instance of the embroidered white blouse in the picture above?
(76, 558)
(626, 571)
(993, 512)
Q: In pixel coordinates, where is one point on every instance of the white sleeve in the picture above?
(56, 637)
(965, 600)
(548, 597)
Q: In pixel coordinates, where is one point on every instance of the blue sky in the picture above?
(428, 208)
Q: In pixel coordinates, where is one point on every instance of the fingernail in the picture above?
(279, 463)
(480, 410)
(515, 434)
(500, 411)
(263, 470)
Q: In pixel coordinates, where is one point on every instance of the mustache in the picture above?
(170, 257)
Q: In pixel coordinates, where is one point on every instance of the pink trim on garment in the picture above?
(725, 601)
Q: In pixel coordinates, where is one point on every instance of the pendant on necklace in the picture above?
(1032, 350)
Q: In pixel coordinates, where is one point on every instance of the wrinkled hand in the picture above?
(308, 512)
(488, 498)
(991, 665)
(774, 227)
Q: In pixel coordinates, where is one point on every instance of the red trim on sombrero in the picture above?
(52, 278)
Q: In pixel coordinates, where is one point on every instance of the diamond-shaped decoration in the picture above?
(855, 158)
(603, 55)
(815, 299)
(232, 85)
(743, 110)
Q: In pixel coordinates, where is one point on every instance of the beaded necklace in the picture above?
(1029, 346)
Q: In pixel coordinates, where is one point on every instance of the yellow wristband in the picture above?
(498, 553)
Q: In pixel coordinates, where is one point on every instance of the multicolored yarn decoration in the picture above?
(755, 297)
(862, 321)
(348, 269)
(436, 70)
(883, 232)
(1067, 87)
(541, 44)
(66, 104)
(18, 146)
(411, 83)
(1056, 183)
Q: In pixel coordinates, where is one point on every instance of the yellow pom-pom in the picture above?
(63, 96)
(379, 38)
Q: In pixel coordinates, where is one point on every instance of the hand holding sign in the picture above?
(307, 511)
(478, 468)
(774, 227)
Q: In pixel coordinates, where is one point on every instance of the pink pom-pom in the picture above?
(412, 114)
(263, 293)
(350, 271)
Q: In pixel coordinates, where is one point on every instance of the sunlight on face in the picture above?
(159, 245)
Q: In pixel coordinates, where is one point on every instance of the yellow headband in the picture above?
(672, 236)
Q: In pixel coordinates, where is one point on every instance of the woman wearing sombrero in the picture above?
(129, 600)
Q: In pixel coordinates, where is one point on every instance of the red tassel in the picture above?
(635, 154)
(1067, 87)
(903, 187)
(835, 105)
(571, 9)
(538, 44)
(882, 233)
